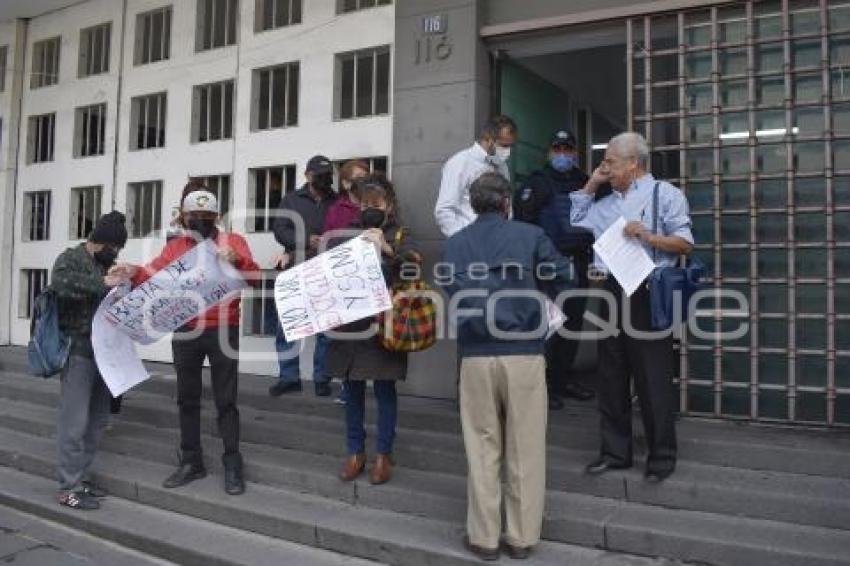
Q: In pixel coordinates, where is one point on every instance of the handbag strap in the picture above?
(655, 219)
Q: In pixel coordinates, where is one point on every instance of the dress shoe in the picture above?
(658, 476)
(486, 554)
(577, 391)
(234, 483)
(518, 552)
(602, 465)
(353, 467)
(283, 387)
(185, 473)
(382, 470)
(323, 390)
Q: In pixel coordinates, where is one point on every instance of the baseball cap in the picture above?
(319, 164)
(200, 201)
(563, 137)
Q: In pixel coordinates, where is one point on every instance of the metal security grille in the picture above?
(41, 137)
(36, 226)
(270, 184)
(274, 101)
(32, 282)
(747, 109)
(273, 14)
(147, 121)
(45, 63)
(216, 24)
(85, 210)
(363, 83)
(212, 114)
(153, 36)
(144, 208)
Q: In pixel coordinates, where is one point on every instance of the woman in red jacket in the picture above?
(202, 338)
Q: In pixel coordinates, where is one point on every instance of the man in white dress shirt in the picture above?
(489, 154)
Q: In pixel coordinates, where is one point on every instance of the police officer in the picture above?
(543, 199)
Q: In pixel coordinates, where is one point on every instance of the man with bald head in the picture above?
(649, 361)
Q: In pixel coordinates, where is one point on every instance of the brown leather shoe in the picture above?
(381, 470)
(353, 467)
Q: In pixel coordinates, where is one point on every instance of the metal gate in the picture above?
(747, 109)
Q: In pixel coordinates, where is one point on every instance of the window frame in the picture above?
(206, 40)
(88, 43)
(204, 95)
(82, 122)
(136, 229)
(141, 104)
(289, 183)
(75, 230)
(295, 17)
(145, 25)
(340, 61)
(43, 57)
(31, 229)
(290, 116)
(35, 134)
(26, 303)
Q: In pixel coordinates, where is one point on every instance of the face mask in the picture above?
(323, 182)
(562, 162)
(106, 257)
(373, 218)
(203, 226)
(502, 153)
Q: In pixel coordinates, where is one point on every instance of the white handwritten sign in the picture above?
(334, 288)
(181, 291)
(115, 352)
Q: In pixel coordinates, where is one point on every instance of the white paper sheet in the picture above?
(114, 351)
(334, 288)
(555, 318)
(624, 257)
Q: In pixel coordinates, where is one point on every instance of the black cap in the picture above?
(319, 164)
(110, 229)
(563, 137)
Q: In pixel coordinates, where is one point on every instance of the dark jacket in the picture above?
(77, 280)
(494, 254)
(543, 200)
(365, 358)
(311, 212)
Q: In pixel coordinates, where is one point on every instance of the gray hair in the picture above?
(631, 145)
(488, 193)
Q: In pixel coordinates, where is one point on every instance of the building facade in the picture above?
(746, 106)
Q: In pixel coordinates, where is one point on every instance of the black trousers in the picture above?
(650, 363)
(561, 352)
(189, 355)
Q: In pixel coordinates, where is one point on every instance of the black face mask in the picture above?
(323, 182)
(106, 257)
(373, 218)
(203, 226)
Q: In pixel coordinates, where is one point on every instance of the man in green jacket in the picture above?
(80, 282)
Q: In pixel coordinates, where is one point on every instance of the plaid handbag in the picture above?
(411, 324)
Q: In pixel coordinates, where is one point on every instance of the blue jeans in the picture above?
(355, 414)
(288, 361)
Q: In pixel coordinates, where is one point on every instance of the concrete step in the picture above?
(571, 517)
(387, 537)
(178, 538)
(780, 496)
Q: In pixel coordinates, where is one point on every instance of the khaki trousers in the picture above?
(503, 410)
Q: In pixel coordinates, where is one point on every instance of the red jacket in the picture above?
(341, 214)
(227, 312)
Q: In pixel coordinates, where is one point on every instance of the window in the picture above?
(153, 36)
(45, 63)
(216, 26)
(85, 210)
(94, 50)
(89, 130)
(212, 115)
(219, 185)
(147, 121)
(275, 97)
(36, 216)
(144, 208)
(269, 186)
(4, 51)
(272, 14)
(40, 138)
(33, 281)
(261, 312)
(363, 83)
(345, 6)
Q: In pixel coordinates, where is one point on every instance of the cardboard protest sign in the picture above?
(339, 286)
(181, 291)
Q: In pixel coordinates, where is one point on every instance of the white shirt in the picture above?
(453, 211)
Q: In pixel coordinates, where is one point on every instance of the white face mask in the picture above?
(502, 153)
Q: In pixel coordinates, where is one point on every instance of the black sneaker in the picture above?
(93, 490)
(282, 387)
(79, 500)
(323, 390)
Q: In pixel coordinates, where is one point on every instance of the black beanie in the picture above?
(110, 229)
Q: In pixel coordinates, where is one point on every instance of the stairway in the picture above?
(743, 495)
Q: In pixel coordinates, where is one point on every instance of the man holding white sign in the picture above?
(213, 334)
(625, 255)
